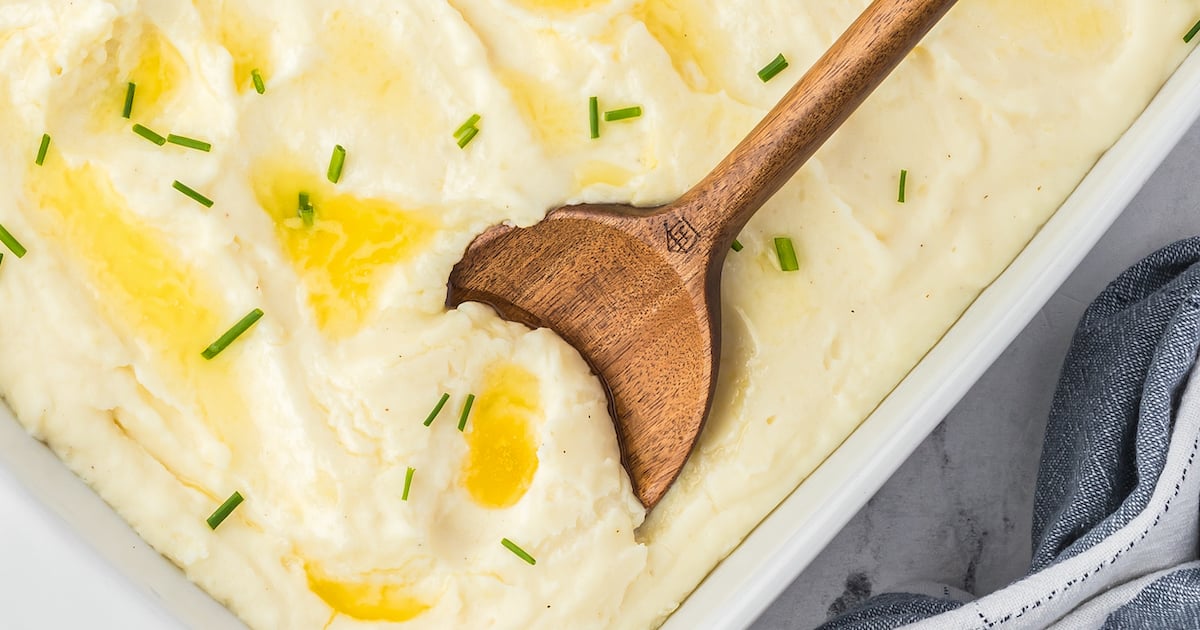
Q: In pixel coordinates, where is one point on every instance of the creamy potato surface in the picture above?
(142, 251)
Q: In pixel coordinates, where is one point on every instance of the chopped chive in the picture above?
(1187, 39)
(517, 551)
(11, 243)
(594, 116)
(777, 65)
(225, 510)
(1, 258)
(336, 162)
(467, 126)
(195, 196)
(233, 333)
(259, 85)
(306, 210)
(149, 134)
(624, 113)
(129, 90)
(190, 143)
(437, 409)
(407, 482)
(737, 245)
(466, 411)
(903, 185)
(467, 131)
(467, 137)
(42, 149)
(787, 254)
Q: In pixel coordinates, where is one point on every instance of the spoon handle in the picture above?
(810, 112)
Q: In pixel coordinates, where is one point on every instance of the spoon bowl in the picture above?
(601, 277)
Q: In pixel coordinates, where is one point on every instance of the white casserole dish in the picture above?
(53, 525)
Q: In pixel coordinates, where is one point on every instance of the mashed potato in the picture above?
(356, 513)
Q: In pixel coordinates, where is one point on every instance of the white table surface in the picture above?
(957, 512)
(44, 586)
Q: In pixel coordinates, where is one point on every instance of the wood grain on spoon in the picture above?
(637, 290)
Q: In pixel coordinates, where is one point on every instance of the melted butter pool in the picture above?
(1068, 27)
(502, 456)
(142, 282)
(246, 43)
(558, 122)
(365, 600)
(347, 251)
(561, 5)
(685, 31)
(149, 61)
(152, 296)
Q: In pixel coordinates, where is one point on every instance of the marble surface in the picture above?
(958, 511)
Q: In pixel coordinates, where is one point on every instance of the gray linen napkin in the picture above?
(1116, 518)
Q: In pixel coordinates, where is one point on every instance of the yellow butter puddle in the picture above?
(502, 449)
(243, 35)
(560, 123)
(377, 70)
(1063, 26)
(147, 59)
(149, 293)
(595, 172)
(364, 598)
(561, 5)
(348, 249)
(690, 38)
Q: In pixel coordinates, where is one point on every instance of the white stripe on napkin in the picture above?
(1162, 537)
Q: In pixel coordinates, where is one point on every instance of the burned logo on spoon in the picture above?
(681, 236)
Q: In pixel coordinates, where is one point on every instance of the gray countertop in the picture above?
(958, 511)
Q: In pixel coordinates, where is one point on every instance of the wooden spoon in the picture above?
(637, 290)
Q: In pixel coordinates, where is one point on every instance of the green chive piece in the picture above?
(624, 113)
(1187, 39)
(195, 196)
(407, 482)
(466, 411)
(225, 510)
(437, 409)
(467, 131)
(149, 134)
(238, 329)
(787, 254)
(777, 65)
(517, 551)
(594, 116)
(42, 149)
(259, 85)
(336, 162)
(903, 185)
(306, 210)
(11, 243)
(129, 90)
(467, 137)
(190, 143)
(737, 245)
(1, 258)
(466, 127)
